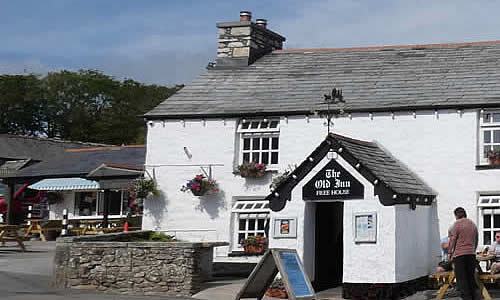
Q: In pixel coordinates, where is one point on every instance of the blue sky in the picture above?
(170, 42)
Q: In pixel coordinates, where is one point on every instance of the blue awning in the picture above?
(65, 184)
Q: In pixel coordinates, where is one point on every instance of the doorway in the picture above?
(329, 245)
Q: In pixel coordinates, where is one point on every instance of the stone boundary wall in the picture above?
(105, 263)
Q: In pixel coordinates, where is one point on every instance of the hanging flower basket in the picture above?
(252, 170)
(140, 188)
(200, 186)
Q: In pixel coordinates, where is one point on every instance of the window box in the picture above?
(254, 249)
(252, 170)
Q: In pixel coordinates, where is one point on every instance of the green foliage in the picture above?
(161, 237)
(82, 106)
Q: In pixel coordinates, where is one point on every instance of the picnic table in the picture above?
(447, 278)
(9, 233)
(42, 227)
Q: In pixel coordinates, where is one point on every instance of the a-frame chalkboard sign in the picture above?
(288, 264)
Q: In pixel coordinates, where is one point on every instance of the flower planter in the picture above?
(254, 249)
(494, 161)
(276, 293)
(198, 193)
(249, 174)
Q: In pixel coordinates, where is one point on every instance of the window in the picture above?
(489, 218)
(259, 141)
(92, 203)
(250, 219)
(490, 134)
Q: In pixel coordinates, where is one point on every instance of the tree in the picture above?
(21, 104)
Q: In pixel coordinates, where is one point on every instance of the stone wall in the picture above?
(107, 264)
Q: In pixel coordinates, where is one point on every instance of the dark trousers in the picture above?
(465, 266)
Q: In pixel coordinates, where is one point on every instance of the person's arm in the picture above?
(453, 242)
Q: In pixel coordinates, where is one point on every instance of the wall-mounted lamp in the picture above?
(460, 112)
(151, 123)
(183, 123)
(163, 123)
(394, 196)
(286, 119)
(370, 115)
(350, 116)
(307, 119)
(414, 114)
(436, 114)
(204, 122)
(392, 115)
(188, 153)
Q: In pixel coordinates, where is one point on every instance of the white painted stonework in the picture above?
(442, 149)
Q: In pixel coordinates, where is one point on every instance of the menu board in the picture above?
(365, 227)
(295, 274)
(288, 264)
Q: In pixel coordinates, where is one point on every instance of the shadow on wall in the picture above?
(212, 204)
(157, 207)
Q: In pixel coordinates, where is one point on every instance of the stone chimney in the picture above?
(242, 43)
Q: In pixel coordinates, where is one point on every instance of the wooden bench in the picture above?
(445, 279)
(8, 233)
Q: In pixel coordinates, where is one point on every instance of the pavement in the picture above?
(26, 276)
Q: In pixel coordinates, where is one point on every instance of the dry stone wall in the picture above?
(133, 268)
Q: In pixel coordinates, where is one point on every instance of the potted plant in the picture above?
(254, 244)
(277, 289)
(252, 169)
(281, 177)
(201, 185)
(140, 188)
(494, 157)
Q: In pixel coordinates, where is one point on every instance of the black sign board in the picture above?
(333, 182)
(288, 264)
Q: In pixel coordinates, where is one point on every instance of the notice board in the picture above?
(289, 265)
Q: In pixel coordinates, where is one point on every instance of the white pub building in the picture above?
(412, 136)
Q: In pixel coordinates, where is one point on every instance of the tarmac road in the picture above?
(26, 276)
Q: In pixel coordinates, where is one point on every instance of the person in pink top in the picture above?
(463, 241)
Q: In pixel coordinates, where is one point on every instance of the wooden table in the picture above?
(34, 227)
(489, 259)
(479, 280)
(8, 233)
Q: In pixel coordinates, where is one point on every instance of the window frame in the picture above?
(488, 126)
(99, 204)
(488, 205)
(268, 132)
(262, 212)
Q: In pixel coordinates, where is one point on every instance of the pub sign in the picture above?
(333, 182)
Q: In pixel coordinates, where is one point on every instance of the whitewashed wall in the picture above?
(442, 150)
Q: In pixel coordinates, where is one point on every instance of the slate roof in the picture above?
(79, 162)
(14, 147)
(394, 183)
(372, 79)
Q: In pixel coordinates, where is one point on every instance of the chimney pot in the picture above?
(261, 22)
(245, 16)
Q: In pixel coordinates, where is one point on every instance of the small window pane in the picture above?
(255, 157)
(275, 143)
(264, 124)
(245, 125)
(239, 206)
(496, 117)
(255, 125)
(485, 200)
(251, 224)
(487, 238)
(496, 148)
(487, 118)
(496, 136)
(265, 143)
(261, 224)
(249, 205)
(485, 150)
(242, 224)
(496, 221)
(241, 237)
(274, 158)
(274, 124)
(494, 200)
(246, 144)
(258, 205)
(255, 143)
(246, 157)
(487, 136)
(487, 221)
(266, 205)
(265, 158)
